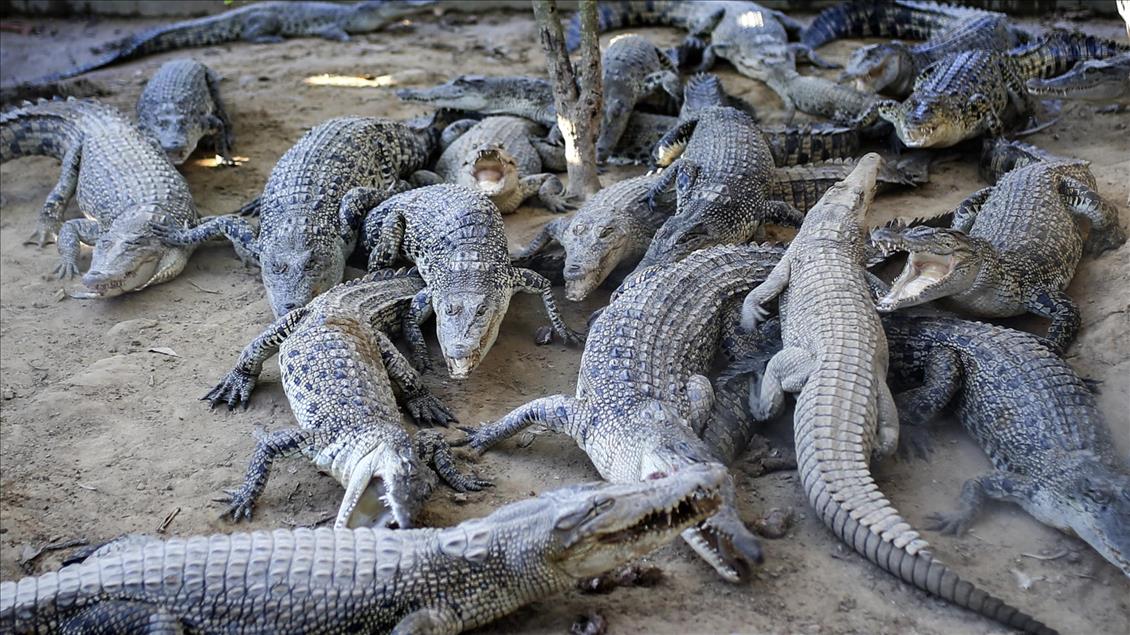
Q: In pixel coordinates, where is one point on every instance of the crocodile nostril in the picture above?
(574, 269)
(289, 306)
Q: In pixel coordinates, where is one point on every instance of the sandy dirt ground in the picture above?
(100, 436)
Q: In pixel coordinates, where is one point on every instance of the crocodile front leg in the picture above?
(424, 407)
(75, 233)
(418, 312)
(532, 282)
(383, 235)
(549, 191)
(554, 412)
(1058, 307)
(998, 485)
(1083, 201)
(434, 451)
(549, 233)
(356, 205)
(51, 214)
(232, 226)
(224, 131)
(752, 310)
(109, 617)
(552, 155)
(270, 446)
(787, 371)
(918, 407)
(237, 385)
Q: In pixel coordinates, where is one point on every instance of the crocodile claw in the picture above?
(915, 442)
(235, 389)
(65, 270)
(41, 237)
(571, 337)
(953, 523)
(239, 505)
(427, 409)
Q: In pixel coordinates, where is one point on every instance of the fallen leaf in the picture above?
(164, 350)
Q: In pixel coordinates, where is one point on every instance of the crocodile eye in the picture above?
(453, 309)
(310, 264)
(481, 311)
(606, 232)
(1096, 494)
(579, 228)
(279, 267)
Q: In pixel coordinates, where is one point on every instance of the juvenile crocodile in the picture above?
(260, 23)
(901, 19)
(455, 236)
(314, 203)
(1013, 248)
(180, 105)
(504, 158)
(1000, 156)
(801, 186)
(703, 90)
(336, 365)
(835, 357)
(632, 68)
(720, 165)
(436, 581)
(1102, 81)
(1031, 414)
(122, 180)
(642, 398)
(891, 67)
(969, 93)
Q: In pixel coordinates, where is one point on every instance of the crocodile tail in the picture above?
(1055, 53)
(626, 13)
(47, 127)
(906, 21)
(839, 485)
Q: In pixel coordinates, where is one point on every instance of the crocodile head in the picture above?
(467, 323)
(929, 122)
(386, 487)
(296, 267)
(604, 233)
(491, 170)
(369, 15)
(619, 99)
(1094, 80)
(886, 67)
(941, 262)
(465, 92)
(128, 257)
(176, 132)
(585, 530)
(1095, 505)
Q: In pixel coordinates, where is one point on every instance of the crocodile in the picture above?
(703, 90)
(835, 358)
(1000, 156)
(1102, 81)
(259, 23)
(612, 230)
(752, 38)
(899, 19)
(642, 399)
(1012, 249)
(1032, 415)
(122, 180)
(504, 157)
(181, 105)
(439, 581)
(966, 94)
(455, 236)
(720, 165)
(314, 202)
(336, 364)
(891, 67)
(632, 68)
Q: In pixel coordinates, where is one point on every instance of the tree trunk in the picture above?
(577, 93)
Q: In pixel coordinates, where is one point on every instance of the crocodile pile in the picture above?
(711, 330)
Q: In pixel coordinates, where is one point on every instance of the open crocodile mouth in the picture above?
(489, 171)
(697, 505)
(923, 271)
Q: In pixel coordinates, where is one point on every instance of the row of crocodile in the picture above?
(694, 290)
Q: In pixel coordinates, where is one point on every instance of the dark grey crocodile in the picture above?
(1013, 248)
(260, 23)
(900, 19)
(322, 581)
(123, 181)
(337, 363)
(1000, 156)
(642, 399)
(181, 105)
(703, 90)
(314, 203)
(966, 94)
(721, 166)
(506, 158)
(1051, 450)
(1104, 81)
(801, 186)
(632, 69)
(891, 67)
(455, 236)
(835, 357)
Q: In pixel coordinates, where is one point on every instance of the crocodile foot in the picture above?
(239, 505)
(915, 442)
(41, 237)
(65, 270)
(953, 523)
(427, 409)
(235, 389)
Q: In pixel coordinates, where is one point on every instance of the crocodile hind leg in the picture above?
(919, 406)
(122, 617)
(998, 485)
(1058, 307)
(788, 371)
(51, 215)
(555, 412)
(549, 190)
(356, 205)
(430, 621)
(383, 234)
(1105, 233)
(237, 385)
(965, 214)
(436, 452)
(271, 446)
(700, 398)
(424, 407)
(418, 312)
(753, 312)
(75, 233)
(533, 282)
(887, 433)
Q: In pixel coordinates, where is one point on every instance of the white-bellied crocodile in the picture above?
(404, 581)
(1105, 81)
(180, 105)
(122, 180)
(337, 363)
(835, 358)
(632, 69)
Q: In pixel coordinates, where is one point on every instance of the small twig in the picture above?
(89, 487)
(297, 486)
(200, 288)
(168, 521)
(1054, 556)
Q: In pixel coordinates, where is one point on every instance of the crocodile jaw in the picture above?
(581, 279)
